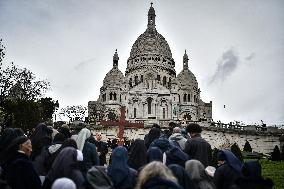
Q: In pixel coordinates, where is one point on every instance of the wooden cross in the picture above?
(121, 123)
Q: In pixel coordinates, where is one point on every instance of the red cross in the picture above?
(121, 123)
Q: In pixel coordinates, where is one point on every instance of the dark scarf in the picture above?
(137, 154)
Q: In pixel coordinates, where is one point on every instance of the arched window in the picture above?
(136, 80)
(110, 96)
(149, 102)
(158, 77)
(188, 98)
(187, 116)
(120, 98)
(130, 82)
(134, 112)
(141, 78)
(184, 97)
(164, 113)
(178, 98)
(114, 96)
(170, 82)
(164, 80)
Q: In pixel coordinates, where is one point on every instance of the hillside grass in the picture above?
(275, 171)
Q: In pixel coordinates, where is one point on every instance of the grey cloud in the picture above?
(81, 65)
(226, 65)
(250, 57)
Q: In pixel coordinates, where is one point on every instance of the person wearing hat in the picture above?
(196, 147)
(18, 169)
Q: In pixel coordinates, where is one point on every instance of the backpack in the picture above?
(98, 178)
(176, 156)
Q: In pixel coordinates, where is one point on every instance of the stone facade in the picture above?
(260, 141)
(150, 89)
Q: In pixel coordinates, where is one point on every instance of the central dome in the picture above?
(151, 42)
(151, 51)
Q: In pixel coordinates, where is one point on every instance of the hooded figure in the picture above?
(137, 154)
(18, 170)
(98, 178)
(8, 135)
(162, 143)
(229, 169)
(154, 154)
(40, 138)
(181, 175)
(89, 150)
(176, 156)
(196, 171)
(63, 183)
(66, 165)
(122, 176)
(252, 178)
(153, 134)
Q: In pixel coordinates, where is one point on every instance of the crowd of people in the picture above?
(59, 158)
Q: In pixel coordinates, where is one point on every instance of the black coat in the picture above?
(20, 173)
(253, 183)
(199, 149)
(103, 150)
(160, 183)
(225, 176)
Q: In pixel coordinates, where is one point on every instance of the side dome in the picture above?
(151, 42)
(187, 78)
(113, 78)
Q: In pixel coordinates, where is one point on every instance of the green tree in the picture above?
(19, 92)
(22, 113)
(47, 107)
(247, 147)
(237, 151)
(19, 83)
(275, 155)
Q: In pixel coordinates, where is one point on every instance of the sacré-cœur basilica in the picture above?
(150, 89)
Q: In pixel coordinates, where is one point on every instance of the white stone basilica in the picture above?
(150, 89)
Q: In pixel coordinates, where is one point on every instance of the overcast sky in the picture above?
(235, 47)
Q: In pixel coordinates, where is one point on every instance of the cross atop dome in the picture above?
(151, 4)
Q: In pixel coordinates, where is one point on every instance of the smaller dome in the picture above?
(113, 78)
(187, 78)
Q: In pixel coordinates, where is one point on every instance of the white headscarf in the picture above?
(63, 183)
(82, 136)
